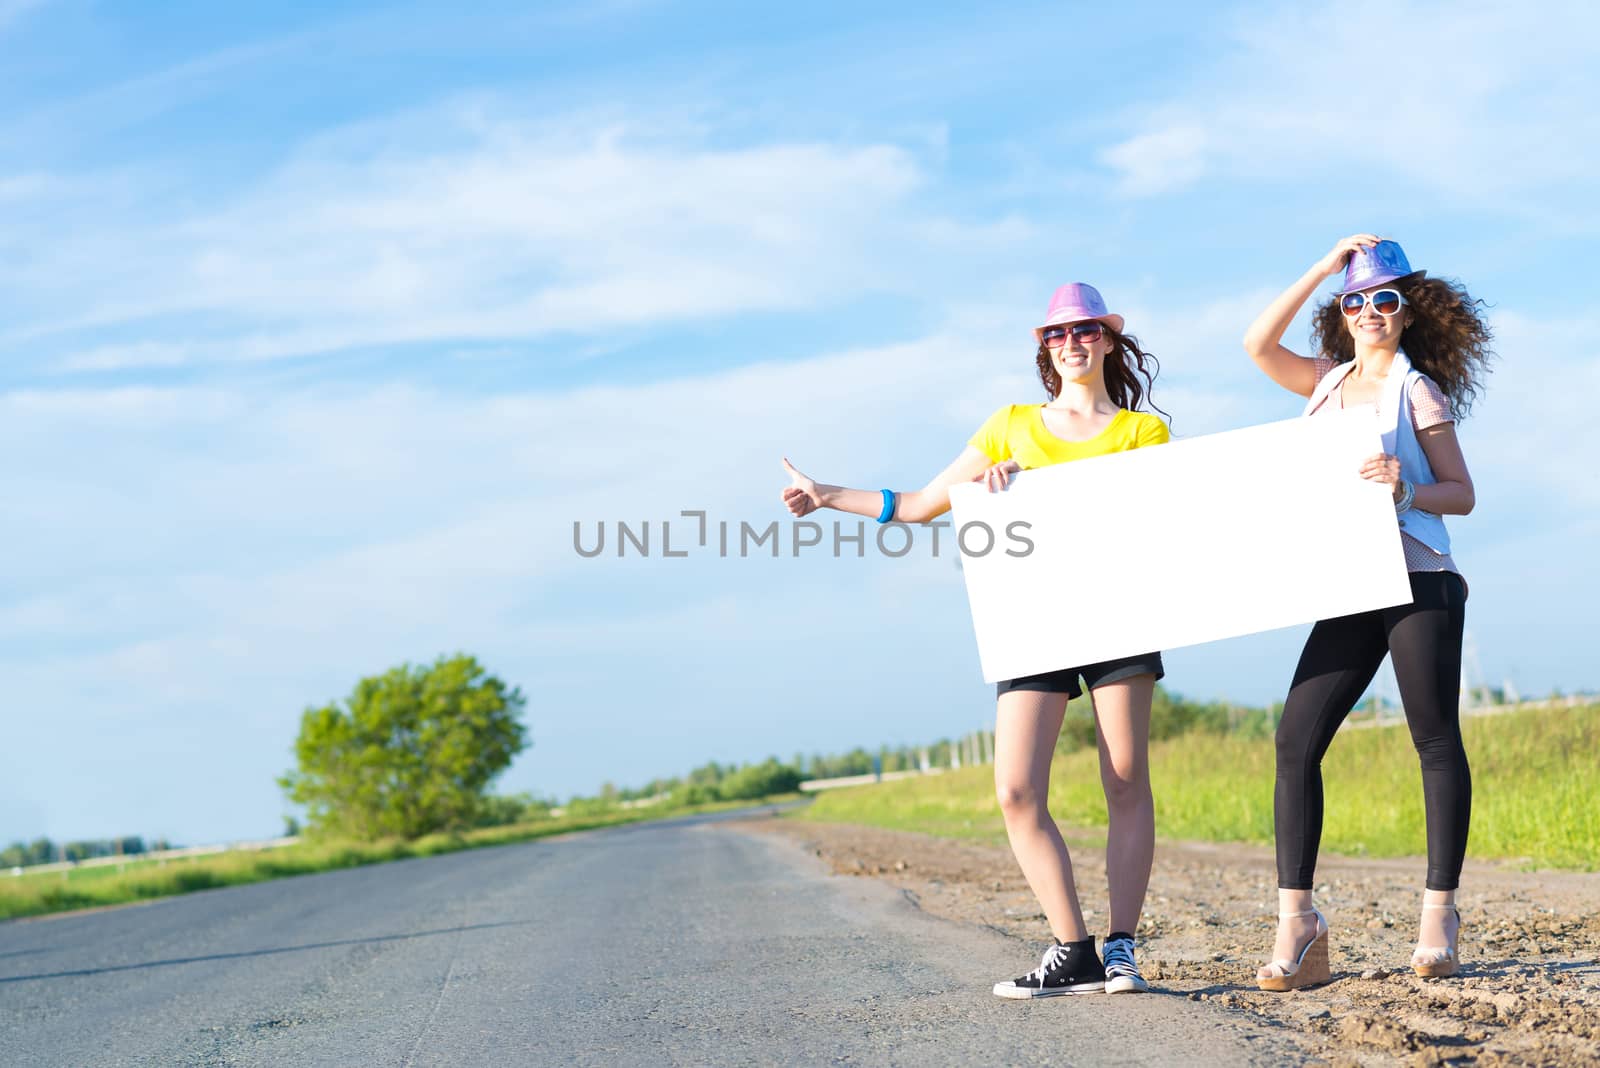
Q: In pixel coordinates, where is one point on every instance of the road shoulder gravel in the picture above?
(1529, 992)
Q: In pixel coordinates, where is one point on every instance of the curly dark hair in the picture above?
(1448, 339)
(1123, 366)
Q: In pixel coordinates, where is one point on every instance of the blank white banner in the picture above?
(1189, 542)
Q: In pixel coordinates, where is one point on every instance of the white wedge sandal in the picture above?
(1312, 967)
(1438, 962)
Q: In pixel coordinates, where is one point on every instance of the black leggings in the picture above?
(1339, 660)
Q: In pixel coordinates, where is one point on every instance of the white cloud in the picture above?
(497, 228)
(25, 187)
(1160, 161)
(12, 11)
(1524, 442)
(1481, 103)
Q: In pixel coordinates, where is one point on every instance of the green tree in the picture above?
(499, 810)
(409, 752)
(760, 780)
(709, 775)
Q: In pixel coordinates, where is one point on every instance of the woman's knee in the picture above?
(1441, 752)
(1126, 786)
(1018, 797)
(1294, 745)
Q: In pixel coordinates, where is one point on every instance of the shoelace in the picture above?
(1119, 958)
(1053, 958)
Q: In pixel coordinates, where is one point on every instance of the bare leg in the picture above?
(1026, 726)
(1122, 729)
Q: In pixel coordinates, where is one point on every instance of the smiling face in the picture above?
(1376, 316)
(1077, 351)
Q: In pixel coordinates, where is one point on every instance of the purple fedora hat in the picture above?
(1383, 262)
(1076, 302)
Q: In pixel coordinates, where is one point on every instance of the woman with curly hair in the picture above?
(1415, 349)
(1092, 370)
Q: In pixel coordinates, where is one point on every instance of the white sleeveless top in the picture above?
(1429, 407)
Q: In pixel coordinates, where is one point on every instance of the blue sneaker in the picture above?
(1122, 974)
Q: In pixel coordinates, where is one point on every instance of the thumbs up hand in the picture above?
(800, 495)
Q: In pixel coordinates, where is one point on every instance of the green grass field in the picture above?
(77, 888)
(1534, 779)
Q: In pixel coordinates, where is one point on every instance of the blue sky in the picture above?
(320, 325)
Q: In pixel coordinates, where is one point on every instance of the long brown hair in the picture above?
(1448, 339)
(1123, 366)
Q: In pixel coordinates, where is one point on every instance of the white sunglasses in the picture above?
(1386, 302)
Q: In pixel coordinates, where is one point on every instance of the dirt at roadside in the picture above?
(1528, 993)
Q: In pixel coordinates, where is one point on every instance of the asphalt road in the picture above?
(667, 943)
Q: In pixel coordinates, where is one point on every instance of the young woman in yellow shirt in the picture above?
(1097, 378)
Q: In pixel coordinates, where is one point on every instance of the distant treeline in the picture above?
(44, 851)
(713, 782)
(1170, 715)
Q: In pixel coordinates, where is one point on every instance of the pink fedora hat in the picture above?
(1074, 303)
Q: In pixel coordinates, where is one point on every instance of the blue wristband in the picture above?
(888, 506)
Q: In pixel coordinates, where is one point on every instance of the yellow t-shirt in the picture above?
(1017, 432)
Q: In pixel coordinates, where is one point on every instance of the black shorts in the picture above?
(1065, 680)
